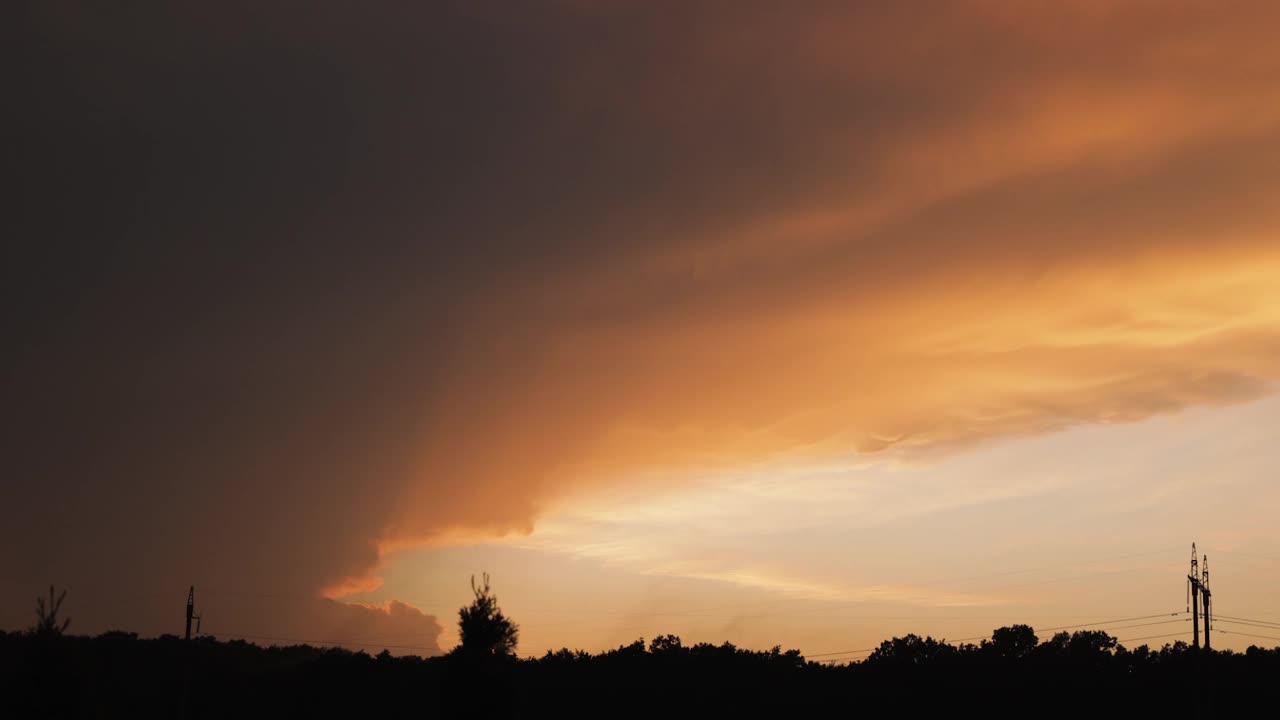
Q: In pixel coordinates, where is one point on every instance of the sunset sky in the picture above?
(778, 323)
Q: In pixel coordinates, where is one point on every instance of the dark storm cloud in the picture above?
(289, 283)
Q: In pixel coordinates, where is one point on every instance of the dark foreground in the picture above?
(117, 675)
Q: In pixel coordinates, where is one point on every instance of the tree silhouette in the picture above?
(482, 627)
(911, 650)
(47, 615)
(1083, 674)
(665, 644)
(1013, 642)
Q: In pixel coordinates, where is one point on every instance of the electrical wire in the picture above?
(1118, 642)
(1108, 622)
(1153, 637)
(1162, 622)
(1236, 632)
(1217, 616)
(1217, 620)
(340, 643)
(1063, 627)
(1216, 551)
(770, 608)
(1049, 629)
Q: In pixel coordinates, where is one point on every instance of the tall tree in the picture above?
(482, 627)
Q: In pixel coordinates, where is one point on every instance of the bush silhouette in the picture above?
(483, 629)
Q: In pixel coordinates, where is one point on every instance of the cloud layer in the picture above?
(295, 286)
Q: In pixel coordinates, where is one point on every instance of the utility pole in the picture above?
(186, 671)
(191, 611)
(1193, 589)
(1204, 591)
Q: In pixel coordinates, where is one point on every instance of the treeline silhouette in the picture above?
(120, 675)
(48, 673)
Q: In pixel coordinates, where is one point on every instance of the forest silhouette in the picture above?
(1013, 673)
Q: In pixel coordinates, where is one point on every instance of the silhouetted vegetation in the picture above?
(1012, 674)
(47, 615)
(482, 628)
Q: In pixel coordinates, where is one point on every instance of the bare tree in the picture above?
(47, 615)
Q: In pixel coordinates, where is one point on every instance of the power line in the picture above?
(1250, 624)
(868, 650)
(1049, 567)
(1118, 641)
(359, 644)
(839, 652)
(1049, 629)
(1153, 637)
(1062, 627)
(341, 643)
(1246, 554)
(1249, 620)
(771, 608)
(1108, 622)
(1249, 634)
(1162, 622)
(1071, 578)
(832, 661)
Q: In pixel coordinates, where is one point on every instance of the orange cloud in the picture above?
(1074, 237)
(420, 275)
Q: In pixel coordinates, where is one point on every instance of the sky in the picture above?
(770, 323)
